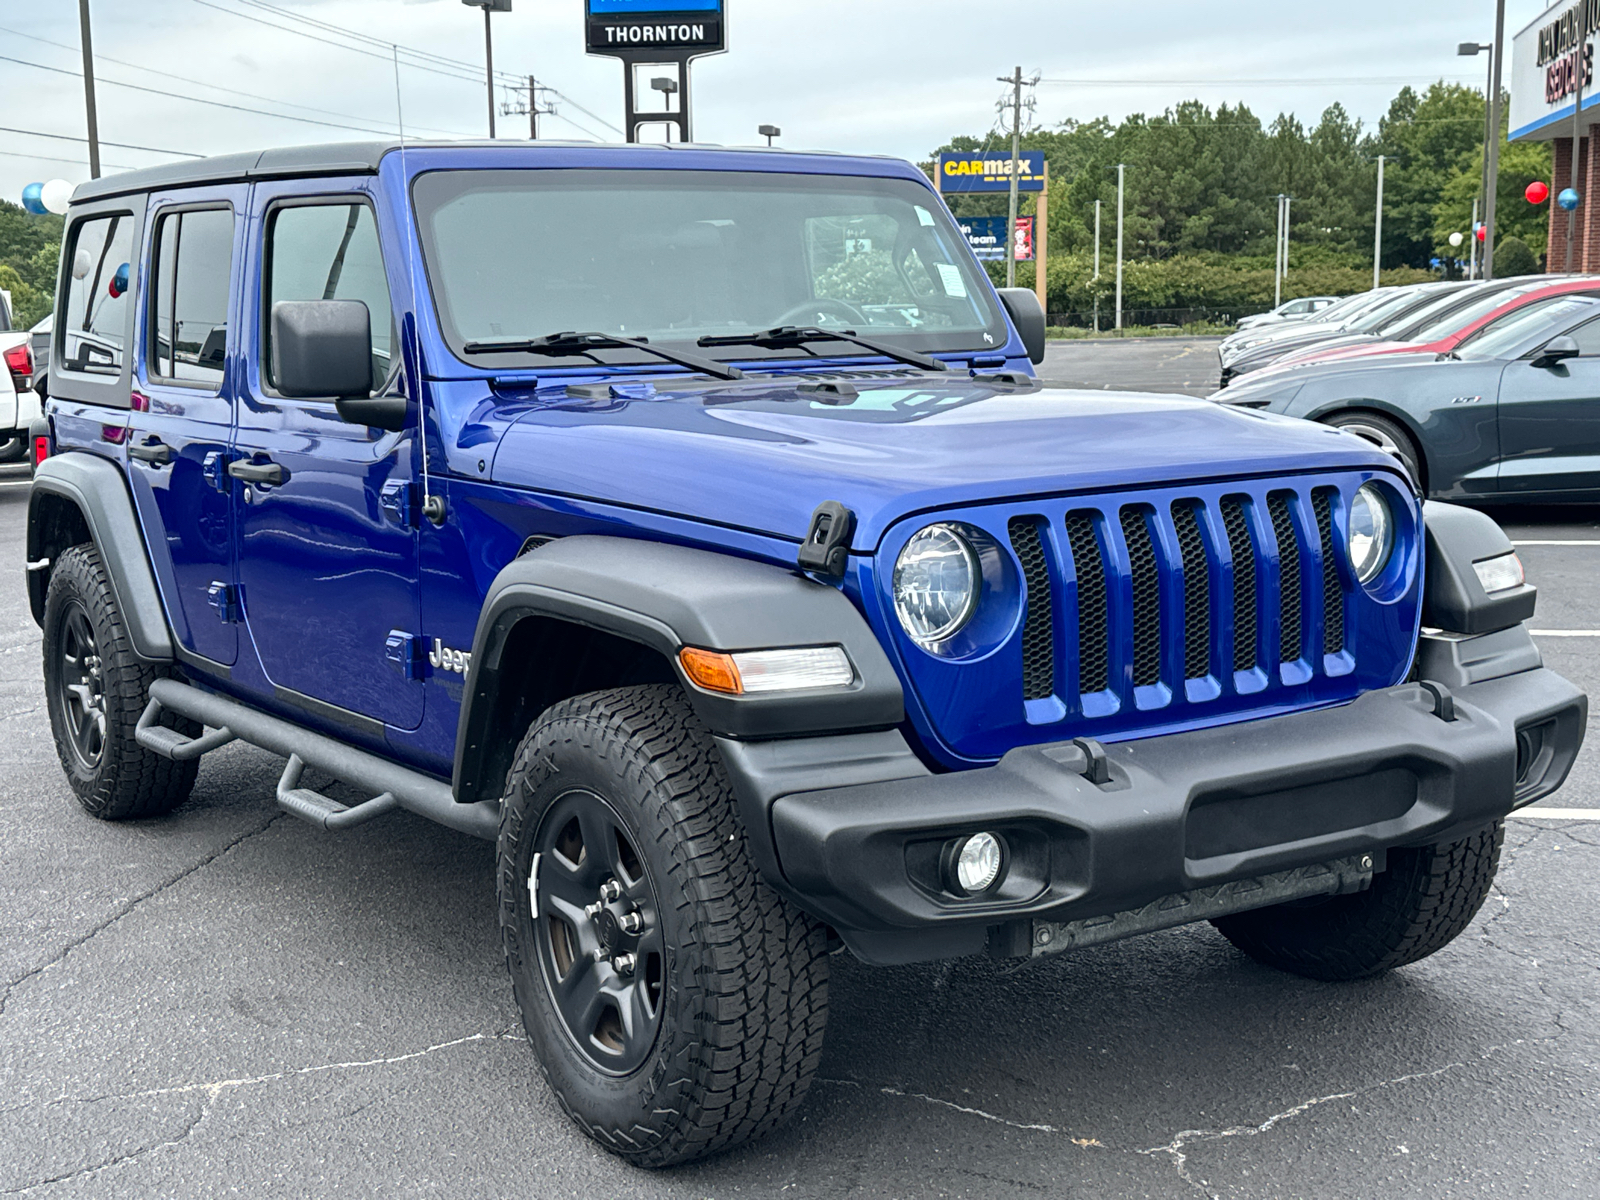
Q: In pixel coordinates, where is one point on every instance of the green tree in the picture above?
(1514, 257)
(1429, 140)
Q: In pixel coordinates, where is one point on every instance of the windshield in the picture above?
(1480, 306)
(1396, 309)
(1505, 334)
(673, 256)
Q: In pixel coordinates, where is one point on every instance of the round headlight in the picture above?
(1371, 532)
(978, 863)
(935, 584)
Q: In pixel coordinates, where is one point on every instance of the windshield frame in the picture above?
(958, 343)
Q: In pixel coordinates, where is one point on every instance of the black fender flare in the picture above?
(666, 597)
(96, 487)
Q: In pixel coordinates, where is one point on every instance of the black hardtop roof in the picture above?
(331, 158)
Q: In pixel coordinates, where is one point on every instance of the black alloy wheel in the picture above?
(597, 925)
(81, 695)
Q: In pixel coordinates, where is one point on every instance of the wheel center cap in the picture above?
(607, 930)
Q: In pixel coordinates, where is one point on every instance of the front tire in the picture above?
(1425, 899)
(1386, 435)
(95, 689)
(675, 1001)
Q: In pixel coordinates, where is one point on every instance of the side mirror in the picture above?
(324, 348)
(321, 348)
(1023, 308)
(41, 386)
(1556, 351)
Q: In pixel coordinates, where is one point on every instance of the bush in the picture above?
(1513, 256)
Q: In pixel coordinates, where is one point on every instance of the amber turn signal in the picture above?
(713, 671)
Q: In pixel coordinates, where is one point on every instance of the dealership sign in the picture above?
(680, 27)
(987, 237)
(1552, 60)
(964, 171)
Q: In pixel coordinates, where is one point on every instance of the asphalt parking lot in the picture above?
(229, 1002)
(1156, 364)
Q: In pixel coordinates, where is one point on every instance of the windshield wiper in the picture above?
(797, 335)
(583, 343)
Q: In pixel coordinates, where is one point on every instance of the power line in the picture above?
(148, 70)
(64, 137)
(260, 112)
(1387, 80)
(77, 162)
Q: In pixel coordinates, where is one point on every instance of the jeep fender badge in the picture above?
(826, 550)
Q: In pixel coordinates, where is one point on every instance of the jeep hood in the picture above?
(762, 454)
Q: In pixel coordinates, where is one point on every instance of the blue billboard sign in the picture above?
(969, 171)
(987, 237)
(634, 28)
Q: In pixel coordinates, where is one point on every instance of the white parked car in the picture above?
(19, 404)
(1289, 310)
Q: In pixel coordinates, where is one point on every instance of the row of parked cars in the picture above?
(1484, 390)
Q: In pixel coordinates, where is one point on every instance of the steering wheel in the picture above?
(815, 312)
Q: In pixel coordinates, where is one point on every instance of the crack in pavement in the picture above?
(962, 1108)
(117, 1160)
(128, 907)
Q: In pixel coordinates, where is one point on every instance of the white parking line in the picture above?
(1559, 814)
(1593, 542)
(1565, 632)
(16, 483)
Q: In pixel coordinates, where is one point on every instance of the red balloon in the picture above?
(1538, 192)
(1483, 233)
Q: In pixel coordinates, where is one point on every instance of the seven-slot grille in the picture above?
(1239, 588)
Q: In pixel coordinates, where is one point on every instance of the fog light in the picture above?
(974, 864)
(1499, 574)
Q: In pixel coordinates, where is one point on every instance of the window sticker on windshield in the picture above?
(923, 215)
(950, 276)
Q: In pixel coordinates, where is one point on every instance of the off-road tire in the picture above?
(1418, 905)
(14, 449)
(125, 781)
(1389, 436)
(745, 996)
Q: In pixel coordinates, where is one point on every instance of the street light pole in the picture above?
(88, 89)
(1121, 170)
(1493, 181)
(1377, 227)
(488, 63)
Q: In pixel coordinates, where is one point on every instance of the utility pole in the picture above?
(1377, 228)
(1277, 258)
(1287, 202)
(1121, 173)
(88, 89)
(533, 109)
(1472, 243)
(1493, 180)
(1015, 80)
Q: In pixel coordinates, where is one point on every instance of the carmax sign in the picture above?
(966, 171)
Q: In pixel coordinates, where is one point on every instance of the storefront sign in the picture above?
(973, 172)
(1548, 60)
(625, 26)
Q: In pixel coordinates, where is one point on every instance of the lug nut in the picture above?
(610, 890)
(594, 910)
(631, 922)
(623, 964)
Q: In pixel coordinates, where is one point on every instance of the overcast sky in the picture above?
(882, 76)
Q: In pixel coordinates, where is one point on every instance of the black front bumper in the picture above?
(854, 826)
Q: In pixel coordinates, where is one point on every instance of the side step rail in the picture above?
(398, 786)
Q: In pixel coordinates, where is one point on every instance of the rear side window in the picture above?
(330, 252)
(193, 265)
(95, 326)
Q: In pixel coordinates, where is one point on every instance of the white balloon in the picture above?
(1456, 239)
(82, 264)
(56, 195)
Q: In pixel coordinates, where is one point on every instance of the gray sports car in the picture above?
(1512, 413)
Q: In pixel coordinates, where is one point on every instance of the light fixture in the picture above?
(973, 865)
(754, 672)
(1499, 574)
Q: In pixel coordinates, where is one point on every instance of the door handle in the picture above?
(257, 472)
(152, 451)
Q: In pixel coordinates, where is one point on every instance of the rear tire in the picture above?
(1386, 435)
(14, 449)
(1425, 899)
(675, 1001)
(96, 689)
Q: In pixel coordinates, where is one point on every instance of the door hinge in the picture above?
(404, 652)
(399, 503)
(225, 598)
(215, 469)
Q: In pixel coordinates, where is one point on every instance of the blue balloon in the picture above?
(33, 199)
(119, 281)
(1568, 199)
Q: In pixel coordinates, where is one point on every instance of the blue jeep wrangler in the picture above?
(690, 522)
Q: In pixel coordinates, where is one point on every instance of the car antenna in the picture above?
(434, 511)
